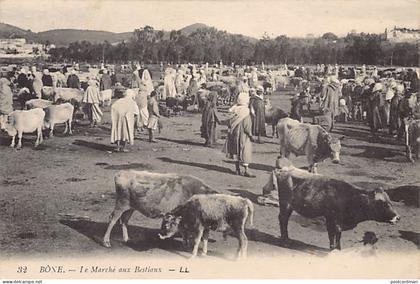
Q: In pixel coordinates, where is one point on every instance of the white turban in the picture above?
(377, 87)
(243, 99)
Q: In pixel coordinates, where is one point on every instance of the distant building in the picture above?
(18, 47)
(402, 35)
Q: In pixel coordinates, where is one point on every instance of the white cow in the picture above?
(24, 121)
(106, 96)
(37, 103)
(55, 114)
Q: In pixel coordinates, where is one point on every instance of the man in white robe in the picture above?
(123, 112)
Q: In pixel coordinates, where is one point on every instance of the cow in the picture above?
(273, 115)
(205, 212)
(62, 113)
(24, 121)
(106, 97)
(68, 95)
(342, 204)
(37, 103)
(152, 194)
(413, 139)
(306, 139)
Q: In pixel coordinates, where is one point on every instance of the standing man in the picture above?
(209, 119)
(73, 80)
(258, 113)
(123, 112)
(153, 123)
(47, 79)
(92, 98)
(106, 82)
(239, 139)
(6, 100)
(331, 94)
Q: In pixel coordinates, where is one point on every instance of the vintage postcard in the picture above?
(209, 139)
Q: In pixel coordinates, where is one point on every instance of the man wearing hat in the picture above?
(73, 80)
(373, 114)
(331, 94)
(47, 79)
(239, 139)
(258, 113)
(394, 118)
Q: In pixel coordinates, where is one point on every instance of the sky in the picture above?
(248, 17)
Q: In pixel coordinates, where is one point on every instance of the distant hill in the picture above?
(63, 37)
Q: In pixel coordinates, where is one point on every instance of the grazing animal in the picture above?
(413, 139)
(310, 140)
(203, 213)
(342, 204)
(273, 116)
(37, 103)
(24, 121)
(62, 113)
(106, 97)
(151, 194)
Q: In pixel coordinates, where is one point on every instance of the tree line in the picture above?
(210, 45)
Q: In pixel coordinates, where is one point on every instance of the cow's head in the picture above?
(331, 147)
(170, 225)
(6, 124)
(381, 207)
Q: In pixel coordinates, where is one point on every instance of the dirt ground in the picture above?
(74, 175)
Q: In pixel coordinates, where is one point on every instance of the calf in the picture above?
(24, 121)
(55, 114)
(310, 140)
(203, 213)
(151, 194)
(37, 103)
(342, 204)
(273, 116)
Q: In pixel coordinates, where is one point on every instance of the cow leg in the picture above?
(66, 129)
(52, 129)
(284, 215)
(205, 240)
(338, 237)
(407, 142)
(332, 231)
(69, 122)
(38, 137)
(12, 144)
(19, 145)
(197, 239)
(243, 240)
(115, 216)
(124, 222)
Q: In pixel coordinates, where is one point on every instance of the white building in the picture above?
(402, 35)
(18, 47)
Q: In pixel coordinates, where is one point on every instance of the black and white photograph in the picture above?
(209, 139)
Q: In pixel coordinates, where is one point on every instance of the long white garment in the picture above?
(147, 80)
(122, 119)
(169, 90)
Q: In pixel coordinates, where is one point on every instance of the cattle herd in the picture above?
(191, 209)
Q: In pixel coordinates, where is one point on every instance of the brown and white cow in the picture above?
(342, 204)
(205, 212)
(306, 139)
(24, 121)
(152, 194)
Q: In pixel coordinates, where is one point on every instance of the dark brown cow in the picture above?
(342, 204)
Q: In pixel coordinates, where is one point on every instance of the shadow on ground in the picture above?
(198, 165)
(93, 145)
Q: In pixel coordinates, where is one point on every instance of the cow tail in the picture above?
(250, 208)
